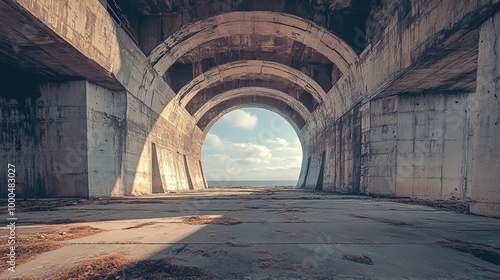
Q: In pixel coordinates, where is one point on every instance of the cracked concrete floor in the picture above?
(285, 234)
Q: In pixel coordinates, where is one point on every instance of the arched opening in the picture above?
(252, 147)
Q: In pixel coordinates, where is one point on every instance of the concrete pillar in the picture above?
(70, 140)
(105, 140)
(485, 190)
(64, 141)
(383, 133)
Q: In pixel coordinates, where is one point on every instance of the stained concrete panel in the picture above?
(486, 158)
(106, 140)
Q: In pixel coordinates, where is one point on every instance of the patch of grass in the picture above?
(201, 252)
(28, 246)
(36, 205)
(43, 205)
(206, 253)
(238, 244)
(459, 206)
(142, 225)
(363, 259)
(203, 220)
(383, 220)
(280, 261)
(358, 216)
(95, 268)
(393, 222)
(265, 262)
(116, 266)
(64, 221)
(484, 252)
(287, 210)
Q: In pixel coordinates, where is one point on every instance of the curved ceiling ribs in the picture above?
(254, 80)
(193, 44)
(242, 68)
(249, 23)
(253, 91)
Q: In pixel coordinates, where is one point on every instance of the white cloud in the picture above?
(279, 141)
(241, 119)
(294, 148)
(213, 141)
(271, 159)
(248, 150)
(232, 155)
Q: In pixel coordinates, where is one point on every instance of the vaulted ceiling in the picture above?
(207, 48)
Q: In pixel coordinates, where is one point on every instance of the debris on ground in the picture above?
(281, 261)
(205, 220)
(459, 206)
(142, 225)
(116, 266)
(238, 244)
(28, 246)
(383, 220)
(484, 252)
(363, 259)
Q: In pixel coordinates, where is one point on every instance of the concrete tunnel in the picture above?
(113, 98)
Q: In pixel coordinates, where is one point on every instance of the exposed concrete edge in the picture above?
(485, 209)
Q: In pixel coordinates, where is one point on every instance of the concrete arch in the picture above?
(255, 22)
(276, 83)
(253, 91)
(238, 69)
(265, 102)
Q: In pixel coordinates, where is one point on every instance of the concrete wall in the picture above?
(381, 165)
(77, 139)
(433, 145)
(64, 138)
(45, 136)
(335, 155)
(414, 145)
(486, 153)
(419, 146)
(177, 142)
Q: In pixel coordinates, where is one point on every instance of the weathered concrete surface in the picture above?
(240, 68)
(382, 106)
(486, 104)
(243, 23)
(302, 234)
(45, 136)
(106, 127)
(442, 167)
(253, 91)
(419, 146)
(160, 20)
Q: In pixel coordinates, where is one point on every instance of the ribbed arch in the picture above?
(247, 23)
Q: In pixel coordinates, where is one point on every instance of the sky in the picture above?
(251, 144)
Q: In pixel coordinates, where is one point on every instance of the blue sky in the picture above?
(251, 144)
